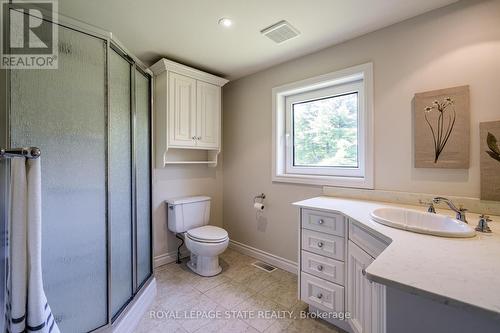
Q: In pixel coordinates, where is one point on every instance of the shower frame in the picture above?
(112, 45)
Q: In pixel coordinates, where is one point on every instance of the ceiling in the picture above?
(187, 31)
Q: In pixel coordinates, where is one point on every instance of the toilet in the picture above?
(190, 216)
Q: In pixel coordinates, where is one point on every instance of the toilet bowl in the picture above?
(205, 244)
(189, 216)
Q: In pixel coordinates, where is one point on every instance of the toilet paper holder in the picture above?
(258, 202)
(260, 197)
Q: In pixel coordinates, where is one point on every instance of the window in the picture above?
(322, 130)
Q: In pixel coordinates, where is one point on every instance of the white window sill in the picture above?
(354, 182)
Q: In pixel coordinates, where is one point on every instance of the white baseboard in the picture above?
(168, 257)
(285, 264)
(136, 310)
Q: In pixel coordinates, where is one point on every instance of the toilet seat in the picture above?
(207, 234)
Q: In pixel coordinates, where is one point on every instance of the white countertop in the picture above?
(462, 272)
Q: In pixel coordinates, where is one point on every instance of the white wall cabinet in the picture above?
(208, 114)
(182, 106)
(330, 242)
(187, 109)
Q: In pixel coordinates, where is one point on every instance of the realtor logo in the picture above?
(29, 34)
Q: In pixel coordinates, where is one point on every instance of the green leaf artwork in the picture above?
(492, 143)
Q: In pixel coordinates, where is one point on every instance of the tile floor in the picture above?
(239, 296)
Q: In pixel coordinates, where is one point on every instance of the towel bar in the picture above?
(27, 152)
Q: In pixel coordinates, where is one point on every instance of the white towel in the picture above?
(29, 310)
(18, 273)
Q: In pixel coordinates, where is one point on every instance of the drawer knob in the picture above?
(320, 268)
(320, 296)
(320, 244)
(321, 222)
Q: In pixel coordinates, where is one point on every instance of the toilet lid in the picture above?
(208, 233)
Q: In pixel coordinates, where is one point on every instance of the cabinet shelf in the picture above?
(180, 156)
(189, 162)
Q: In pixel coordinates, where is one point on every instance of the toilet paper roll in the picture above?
(258, 206)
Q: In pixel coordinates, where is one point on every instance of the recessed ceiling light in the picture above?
(226, 22)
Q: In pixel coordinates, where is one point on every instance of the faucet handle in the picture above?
(482, 225)
(461, 214)
(485, 217)
(429, 204)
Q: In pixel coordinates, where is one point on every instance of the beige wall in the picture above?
(177, 181)
(453, 46)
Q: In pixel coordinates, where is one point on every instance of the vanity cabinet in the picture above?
(359, 292)
(187, 109)
(334, 254)
(365, 299)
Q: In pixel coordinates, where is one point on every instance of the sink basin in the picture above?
(422, 222)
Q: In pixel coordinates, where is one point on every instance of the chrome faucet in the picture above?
(459, 211)
(430, 208)
(482, 226)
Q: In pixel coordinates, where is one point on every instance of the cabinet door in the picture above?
(182, 110)
(378, 322)
(359, 289)
(208, 110)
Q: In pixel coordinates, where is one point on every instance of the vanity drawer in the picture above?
(324, 244)
(320, 293)
(325, 268)
(365, 240)
(330, 223)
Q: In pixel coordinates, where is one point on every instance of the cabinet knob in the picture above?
(320, 268)
(320, 244)
(319, 296)
(321, 222)
(194, 138)
(198, 138)
(363, 271)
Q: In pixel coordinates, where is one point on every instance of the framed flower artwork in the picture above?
(442, 128)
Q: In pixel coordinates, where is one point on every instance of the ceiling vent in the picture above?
(280, 32)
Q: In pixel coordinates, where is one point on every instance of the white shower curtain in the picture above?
(27, 307)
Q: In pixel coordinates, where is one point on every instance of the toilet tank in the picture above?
(187, 213)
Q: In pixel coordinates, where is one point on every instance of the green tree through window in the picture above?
(325, 132)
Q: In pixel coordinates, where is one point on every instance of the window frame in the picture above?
(328, 92)
(354, 79)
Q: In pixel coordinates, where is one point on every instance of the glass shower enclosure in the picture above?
(91, 118)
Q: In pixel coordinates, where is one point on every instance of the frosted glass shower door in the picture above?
(120, 180)
(143, 176)
(63, 111)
